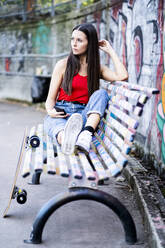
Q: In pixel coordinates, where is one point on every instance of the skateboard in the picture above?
(16, 193)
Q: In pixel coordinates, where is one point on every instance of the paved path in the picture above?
(79, 224)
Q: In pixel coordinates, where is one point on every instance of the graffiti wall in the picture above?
(161, 108)
(22, 42)
(12, 43)
(136, 32)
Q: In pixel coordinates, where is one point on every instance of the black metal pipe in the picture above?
(36, 177)
(82, 193)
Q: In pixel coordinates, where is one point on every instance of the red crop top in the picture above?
(79, 90)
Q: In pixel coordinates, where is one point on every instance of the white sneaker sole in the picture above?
(72, 129)
(80, 147)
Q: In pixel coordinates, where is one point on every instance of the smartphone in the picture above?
(60, 110)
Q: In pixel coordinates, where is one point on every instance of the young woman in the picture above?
(75, 103)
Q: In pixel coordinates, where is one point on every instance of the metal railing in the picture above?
(28, 9)
(29, 64)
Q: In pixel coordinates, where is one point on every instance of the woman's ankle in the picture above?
(59, 137)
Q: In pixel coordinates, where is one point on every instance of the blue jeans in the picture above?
(97, 104)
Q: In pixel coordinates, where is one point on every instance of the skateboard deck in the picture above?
(16, 192)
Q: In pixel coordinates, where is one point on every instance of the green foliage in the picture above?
(60, 1)
(62, 6)
(44, 3)
(48, 3)
(10, 2)
(2, 2)
(87, 2)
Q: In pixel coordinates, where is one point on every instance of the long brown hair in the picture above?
(93, 61)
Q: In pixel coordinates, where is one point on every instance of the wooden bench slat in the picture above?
(116, 95)
(132, 87)
(136, 96)
(125, 105)
(112, 149)
(27, 163)
(28, 156)
(121, 160)
(123, 144)
(115, 112)
(113, 169)
(51, 168)
(149, 91)
(63, 166)
(38, 160)
(75, 168)
(89, 173)
(125, 132)
(102, 175)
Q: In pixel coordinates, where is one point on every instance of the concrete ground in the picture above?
(78, 224)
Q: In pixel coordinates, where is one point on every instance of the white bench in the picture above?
(108, 156)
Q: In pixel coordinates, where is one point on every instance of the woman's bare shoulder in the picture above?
(61, 65)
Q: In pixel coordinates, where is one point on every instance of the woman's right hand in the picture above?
(54, 114)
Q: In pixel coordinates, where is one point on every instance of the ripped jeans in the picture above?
(97, 104)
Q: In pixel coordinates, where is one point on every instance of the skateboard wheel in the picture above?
(22, 197)
(24, 191)
(34, 141)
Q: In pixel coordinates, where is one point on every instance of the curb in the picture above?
(150, 201)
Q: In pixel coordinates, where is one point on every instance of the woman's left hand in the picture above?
(105, 46)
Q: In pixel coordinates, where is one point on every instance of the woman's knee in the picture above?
(100, 94)
(52, 126)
